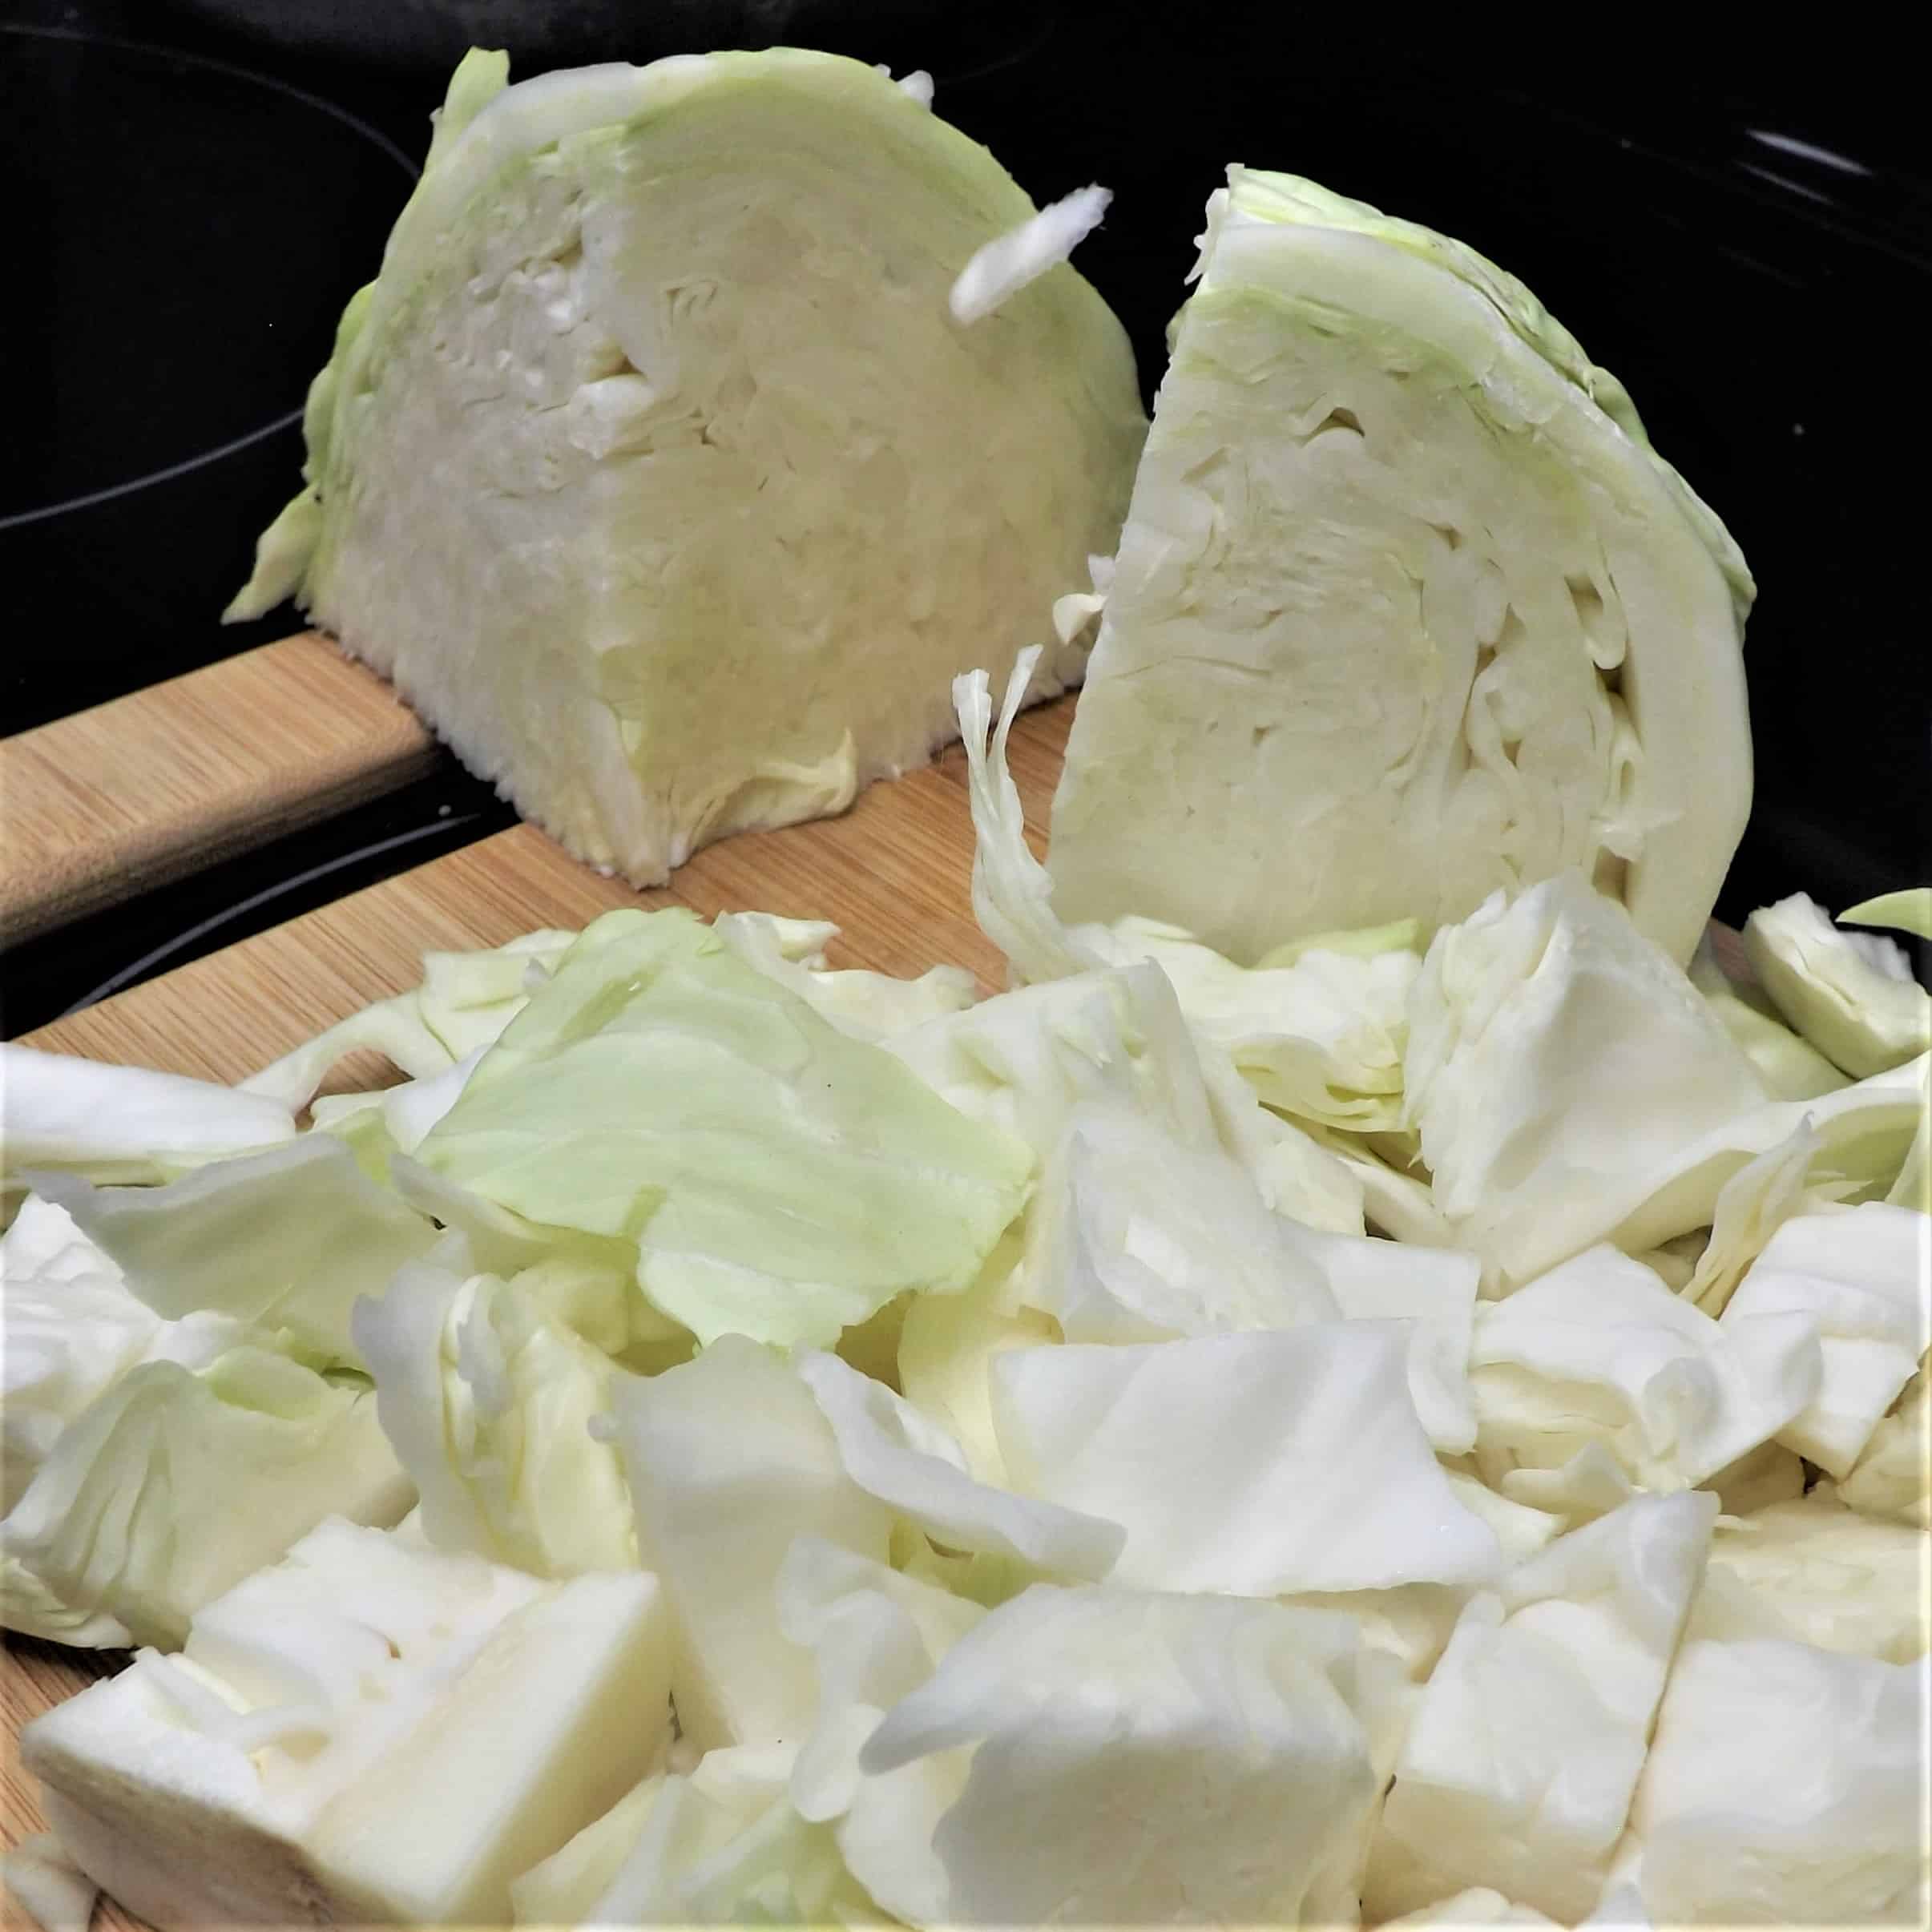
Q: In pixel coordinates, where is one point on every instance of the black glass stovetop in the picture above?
(1748, 244)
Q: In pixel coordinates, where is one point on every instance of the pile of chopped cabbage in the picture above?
(1391, 1402)
(1434, 1435)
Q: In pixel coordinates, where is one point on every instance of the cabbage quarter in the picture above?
(655, 467)
(1406, 609)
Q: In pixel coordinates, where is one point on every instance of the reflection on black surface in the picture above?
(193, 232)
(116, 949)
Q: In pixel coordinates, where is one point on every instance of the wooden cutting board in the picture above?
(895, 872)
(129, 795)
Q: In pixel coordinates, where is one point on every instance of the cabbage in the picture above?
(1851, 995)
(1892, 1476)
(1138, 1236)
(1861, 1281)
(654, 468)
(1785, 1785)
(874, 1636)
(177, 1482)
(1790, 1066)
(868, 1005)
(1318, 1036)
(717, 1509)
(1250, 1464)
(286, 1240)
(893, 1452)
(1909, 911)
(1551, 1046)
(1520, 1762)
(122, 1123)
(718, 1845)
(1814, 1572)
(489, 1400)
(335, 1743)
(1595, 1377)
(779, 1178)
(1144, 1758)
(464, 1001)
(1406, 610)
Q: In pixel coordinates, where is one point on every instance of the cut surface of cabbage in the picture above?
(654, 468)
(1406, 609)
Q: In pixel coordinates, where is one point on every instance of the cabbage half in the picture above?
(654, 469)
(1406, 610)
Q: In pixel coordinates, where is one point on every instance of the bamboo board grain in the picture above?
(895, 872)
(131, 794)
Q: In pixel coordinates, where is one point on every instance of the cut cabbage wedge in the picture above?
(654, 468)
(367, 1732)
(1406, 610)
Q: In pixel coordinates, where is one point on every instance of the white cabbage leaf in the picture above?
(868, 1005)
(1851, 995)
(1791, 1068)
(1751, 1206)
(719, 1845)
(122, 1123)
(1907, 911)
(1863, 1279)
(286, 1240)
(463, 1002)
(1815, 1571)
(1595, 1378)
(875, 1636)
(175, 1483)
(946, 1344)
(1892, 1476)
(1143, 1758)
(696, 314)
(1406, 610)
(1252, 1464)
(1135, 1236)
(718, 1506)
(488, 1400)
(780, 1179)
(1551, 1049)
(1525, 1747)
(1785, 1785)
(894, 1452)
(72, 1330)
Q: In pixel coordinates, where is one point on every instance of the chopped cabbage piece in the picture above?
(178, 1481)
(1597, 1372)
(1851, 995)
(1142, 1758)
(1552, 1047)
(488, 1401)
(717, 1508)
(1817, 1572)
(1525, 1748)
(335, 1743)
(288, 1239)
(122, 1123)
(1253, 1464)
(779, 1180)
(1785, 1786)
(1863, 1279)
(908, 1462)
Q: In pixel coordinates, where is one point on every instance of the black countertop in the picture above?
(1747, 243)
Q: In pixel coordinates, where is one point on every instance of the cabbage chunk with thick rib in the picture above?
(1406, 610)
(654, 468)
